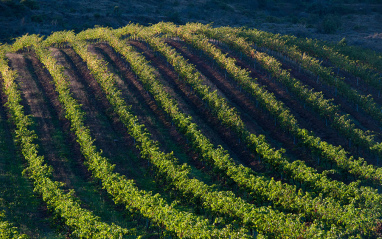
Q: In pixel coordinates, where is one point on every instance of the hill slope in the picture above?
(189, 131)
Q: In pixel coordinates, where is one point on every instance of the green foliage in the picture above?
(276, 108)
(8, 231)
(124, 191)
(330, 208)
(84, 223)
(330, 24)
(212, 200)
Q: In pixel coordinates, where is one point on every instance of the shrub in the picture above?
(330, 25)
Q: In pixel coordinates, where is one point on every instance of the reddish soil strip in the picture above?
(46, 83)
(35, 102)
(146, 108)
(307, 119)
(192, 105)
(100, 131)
(37, 106)
(365, 121)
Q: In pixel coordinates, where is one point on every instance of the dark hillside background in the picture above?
(359, 22)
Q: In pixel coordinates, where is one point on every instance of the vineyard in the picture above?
(189, 131)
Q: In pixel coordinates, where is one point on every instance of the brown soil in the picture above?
(37, 106)
(109, 133)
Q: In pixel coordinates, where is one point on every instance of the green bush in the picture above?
(330, 25)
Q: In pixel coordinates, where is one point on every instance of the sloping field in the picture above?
(188, 132)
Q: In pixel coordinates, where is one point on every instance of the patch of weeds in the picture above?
(341, 9)
(195, 13)
(343, 42)
(296, 20)
(330, 25)
(88, 10)
(377, 9)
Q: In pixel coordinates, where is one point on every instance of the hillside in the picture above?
(359, 22)
(189, 131)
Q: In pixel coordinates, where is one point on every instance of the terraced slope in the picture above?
(189, 132)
